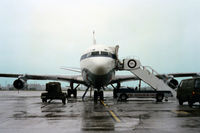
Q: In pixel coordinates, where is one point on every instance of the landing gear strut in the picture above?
(115, 89)
(98, 94)
(85, 93)
(72, 90)
(95, 96)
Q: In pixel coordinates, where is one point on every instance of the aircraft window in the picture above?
(88, 54)
(83, 56)
(95, 53)
(104, 53)
(98, 53)
(110, 54)
(197, 84)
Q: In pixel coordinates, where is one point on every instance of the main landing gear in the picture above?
(115, 89)
(98, 94)
(72, 90)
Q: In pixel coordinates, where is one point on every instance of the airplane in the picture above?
(98, 65)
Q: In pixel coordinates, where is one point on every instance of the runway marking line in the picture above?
(180, 112)
(111, 112)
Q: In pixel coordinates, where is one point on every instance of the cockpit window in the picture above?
(95, 53)
(88, 54)
(104, 53)
(98, 53)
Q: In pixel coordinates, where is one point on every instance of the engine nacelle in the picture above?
(173, 83)
(19, 84)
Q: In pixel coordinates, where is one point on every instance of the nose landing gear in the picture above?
(98, 95)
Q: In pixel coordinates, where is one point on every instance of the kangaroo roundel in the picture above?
(132, 63)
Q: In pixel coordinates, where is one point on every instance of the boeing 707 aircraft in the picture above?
(98, 65)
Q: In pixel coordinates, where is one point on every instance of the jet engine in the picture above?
(19, 83)
(173, 83)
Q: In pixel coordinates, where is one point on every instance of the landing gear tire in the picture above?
(159, 97)
(69, 92)
(75, 93)
(64, 101)
(115, 93)
(190, 103)
(180, 102)
(95, 96)
(44, 100)
(123, 97)
(72, 91)
(101, 95)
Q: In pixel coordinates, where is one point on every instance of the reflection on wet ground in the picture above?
(96, 117)
(24, 112)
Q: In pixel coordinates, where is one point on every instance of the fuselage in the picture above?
(98, 65)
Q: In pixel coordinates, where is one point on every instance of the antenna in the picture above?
(94, 40)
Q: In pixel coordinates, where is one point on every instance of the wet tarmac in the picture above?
(24, 112)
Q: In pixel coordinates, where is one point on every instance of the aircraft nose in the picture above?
(101, 68)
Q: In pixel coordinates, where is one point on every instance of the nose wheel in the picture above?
(98, 95)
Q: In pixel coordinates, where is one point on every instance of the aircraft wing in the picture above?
(123, 78)
(179, 75)
(74, 78)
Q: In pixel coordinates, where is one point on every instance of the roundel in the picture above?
(132, 63)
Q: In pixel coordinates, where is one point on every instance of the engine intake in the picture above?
(19, 84)
(173, 83)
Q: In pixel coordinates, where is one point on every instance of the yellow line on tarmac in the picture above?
(114, 116)
(180, 112)
(112, 113)
(103, 103)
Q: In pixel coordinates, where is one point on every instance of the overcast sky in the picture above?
(39, 36)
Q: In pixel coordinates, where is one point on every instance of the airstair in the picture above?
(145, 73)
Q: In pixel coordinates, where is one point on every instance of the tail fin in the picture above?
(94, 40)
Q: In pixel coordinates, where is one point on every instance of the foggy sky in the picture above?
(39, 36)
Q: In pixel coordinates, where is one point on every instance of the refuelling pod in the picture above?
(19, 84)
